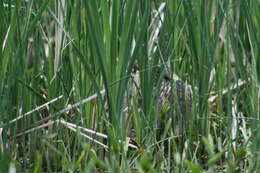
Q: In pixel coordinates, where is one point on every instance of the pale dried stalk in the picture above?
(30, 112)
(70, 125)
(59, 39)
(84, 135)
(235, 86)
(68, 108)
(33, 129)
(74, 128)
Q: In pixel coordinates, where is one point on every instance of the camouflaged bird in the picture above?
(175, 103)
(174, 100)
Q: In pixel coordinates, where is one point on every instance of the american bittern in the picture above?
(176, 102)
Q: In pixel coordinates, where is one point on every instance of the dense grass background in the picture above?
(131, 49)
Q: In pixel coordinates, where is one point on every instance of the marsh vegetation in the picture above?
(130, 86)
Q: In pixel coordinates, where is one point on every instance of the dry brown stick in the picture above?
(235, 86)
(86, 130)
(30, 112)
(32, 129)
(67, 109)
